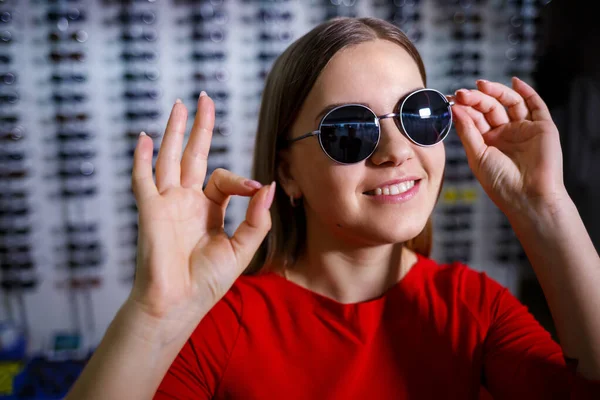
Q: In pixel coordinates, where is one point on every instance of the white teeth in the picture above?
(394, 189)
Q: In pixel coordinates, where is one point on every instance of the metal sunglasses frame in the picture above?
(449, 104)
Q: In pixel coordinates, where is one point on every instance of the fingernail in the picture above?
(253, 184)
(142, 133)
(463, 91)
(481, 81)
(270, 196)
(202, 93)
(178, 101)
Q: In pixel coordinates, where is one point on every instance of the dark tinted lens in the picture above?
(426, 117)
(349, 134)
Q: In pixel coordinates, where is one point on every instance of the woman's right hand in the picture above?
(185, 260)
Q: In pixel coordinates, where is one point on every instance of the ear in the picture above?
(285, 176)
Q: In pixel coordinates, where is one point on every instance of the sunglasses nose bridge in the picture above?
(389, 115)
(394, 116)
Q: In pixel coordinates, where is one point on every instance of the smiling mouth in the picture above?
(392, 190)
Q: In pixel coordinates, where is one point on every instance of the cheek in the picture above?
(434, 160)
(331, 188)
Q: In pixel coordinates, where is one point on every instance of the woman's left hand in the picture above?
(512, 145)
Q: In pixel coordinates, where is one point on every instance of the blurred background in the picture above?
(79, 79)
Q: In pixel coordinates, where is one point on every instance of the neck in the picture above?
(350, 273)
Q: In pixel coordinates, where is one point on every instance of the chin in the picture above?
(393, 233)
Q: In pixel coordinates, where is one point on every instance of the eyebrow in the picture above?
(334, 105)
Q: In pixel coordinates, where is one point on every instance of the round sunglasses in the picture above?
(350, 133)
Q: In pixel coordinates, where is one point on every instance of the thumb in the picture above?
(252, 231)
(469, 135)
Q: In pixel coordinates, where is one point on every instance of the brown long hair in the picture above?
(291, 78)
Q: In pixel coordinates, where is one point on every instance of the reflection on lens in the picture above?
(349, 134)
(426, 117)
(425, 112)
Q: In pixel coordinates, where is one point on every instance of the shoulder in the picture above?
(458, 276)
(230, 311)
(202, 361)
(473, 290)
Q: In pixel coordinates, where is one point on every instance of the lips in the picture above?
(401, 184)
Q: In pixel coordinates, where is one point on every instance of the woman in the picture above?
(341, 300)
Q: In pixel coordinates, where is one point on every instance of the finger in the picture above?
(468, 134)
(501, 138)
(169, 155)
(492, 110)
(480, 122)
(537, 107)
(141, 175)
(195, 155)
(223, 184)
(515, 104)
(252, 231)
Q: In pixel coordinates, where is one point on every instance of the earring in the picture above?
(293, 201)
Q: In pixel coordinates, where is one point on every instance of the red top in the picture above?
(443, 331)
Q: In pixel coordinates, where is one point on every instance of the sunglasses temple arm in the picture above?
(313, 133)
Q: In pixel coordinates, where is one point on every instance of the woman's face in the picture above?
(338, 198)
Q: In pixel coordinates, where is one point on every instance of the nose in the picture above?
(394, 147)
